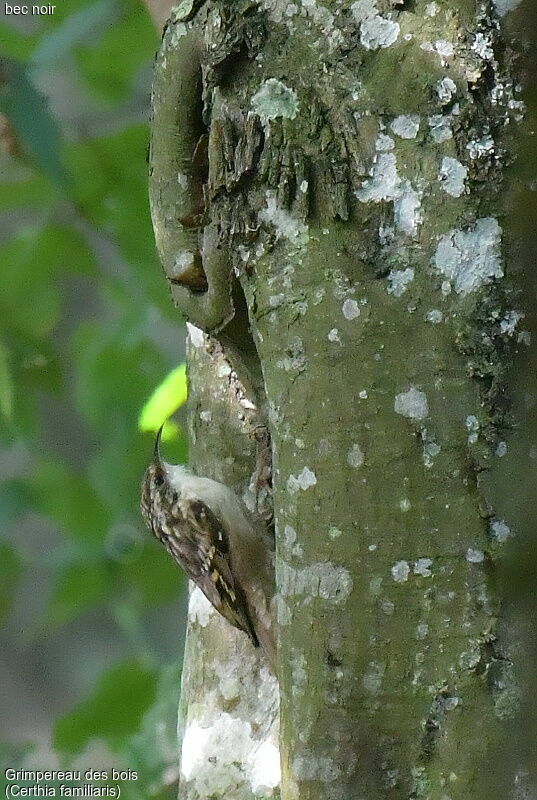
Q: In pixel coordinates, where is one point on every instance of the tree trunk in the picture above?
(330, 207)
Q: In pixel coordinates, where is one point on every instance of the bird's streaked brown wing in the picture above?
(202, 550)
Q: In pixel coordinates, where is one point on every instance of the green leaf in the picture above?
(38, 314)
(15, 44)
(35, 368)
(10, 569)
(30, 301)
(110, 176)
(6, 383)
(30, 189)
(20, 43)
(167, 398)
(35, 365)
(36, 128)
(80, 587)
(110, 64)
(110, 391)
(114, 711)
(87, 21)
(69, 499)
(155, 576)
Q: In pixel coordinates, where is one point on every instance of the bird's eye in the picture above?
(159, 480)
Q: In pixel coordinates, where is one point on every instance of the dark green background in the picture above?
(91, 609)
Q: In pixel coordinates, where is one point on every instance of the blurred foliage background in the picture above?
(91, 607)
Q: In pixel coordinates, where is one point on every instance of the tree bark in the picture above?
(329, 198)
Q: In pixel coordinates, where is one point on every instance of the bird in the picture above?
(211, 535)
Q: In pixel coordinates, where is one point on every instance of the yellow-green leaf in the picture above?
(165, 400)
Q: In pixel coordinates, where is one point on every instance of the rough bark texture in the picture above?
(340, 168)
(229, 708)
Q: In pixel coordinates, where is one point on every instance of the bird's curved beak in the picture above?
(156, 449)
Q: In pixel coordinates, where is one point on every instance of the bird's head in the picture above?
(154, 483)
